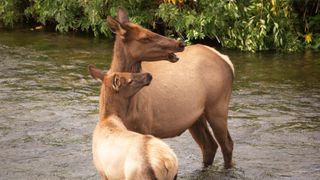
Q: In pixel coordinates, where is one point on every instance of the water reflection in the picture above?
(49, 108)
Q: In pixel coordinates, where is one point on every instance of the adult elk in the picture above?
(184, 95)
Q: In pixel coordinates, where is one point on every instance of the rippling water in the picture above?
(49, 107)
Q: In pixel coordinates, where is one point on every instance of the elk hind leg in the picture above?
(201, 134)
(217, 118)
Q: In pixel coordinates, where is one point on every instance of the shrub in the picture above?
(253, 25)
(248, 25)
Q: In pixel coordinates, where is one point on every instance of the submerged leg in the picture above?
(217, 118)
(201, 134)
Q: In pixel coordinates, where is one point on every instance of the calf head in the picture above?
(142, 44)
(121, 84)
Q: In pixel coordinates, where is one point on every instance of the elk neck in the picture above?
(122, 60)
(112, 104)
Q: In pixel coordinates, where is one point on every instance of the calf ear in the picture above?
(116, 27)
(95, 72)
(116, 82)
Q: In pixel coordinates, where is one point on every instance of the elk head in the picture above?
(142, 44)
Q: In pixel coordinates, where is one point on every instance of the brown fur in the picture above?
(184, 95)
(117, 152)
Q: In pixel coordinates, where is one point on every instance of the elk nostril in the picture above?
(182, 44)
(149, 77)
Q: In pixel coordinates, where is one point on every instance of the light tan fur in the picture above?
(223, 57)
(122, 154)
(119, 153)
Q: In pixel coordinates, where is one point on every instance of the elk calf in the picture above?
(117, 152)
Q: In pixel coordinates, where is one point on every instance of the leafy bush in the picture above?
(248, 25)
(253, 25)
(309, 18)
(8, 12)
(86, 15)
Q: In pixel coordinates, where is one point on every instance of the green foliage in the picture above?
(247, 25)
(309, 16)
(186, 21)
(7, 12)
(85, 15)
(253, 25)
(70, 14)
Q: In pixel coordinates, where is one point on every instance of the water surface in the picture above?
(49, 107)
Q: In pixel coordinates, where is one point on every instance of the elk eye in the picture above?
(130, 81)
(145, 40)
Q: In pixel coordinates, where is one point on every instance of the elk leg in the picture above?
(103, 176)
(217, 119)
(201, 134)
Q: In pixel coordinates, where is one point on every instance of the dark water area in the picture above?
(49, 107)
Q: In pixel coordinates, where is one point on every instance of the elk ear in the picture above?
(115, 26)
(122, 16)
(95, 72)
(116, 82)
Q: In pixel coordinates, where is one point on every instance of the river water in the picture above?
(49, 107)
